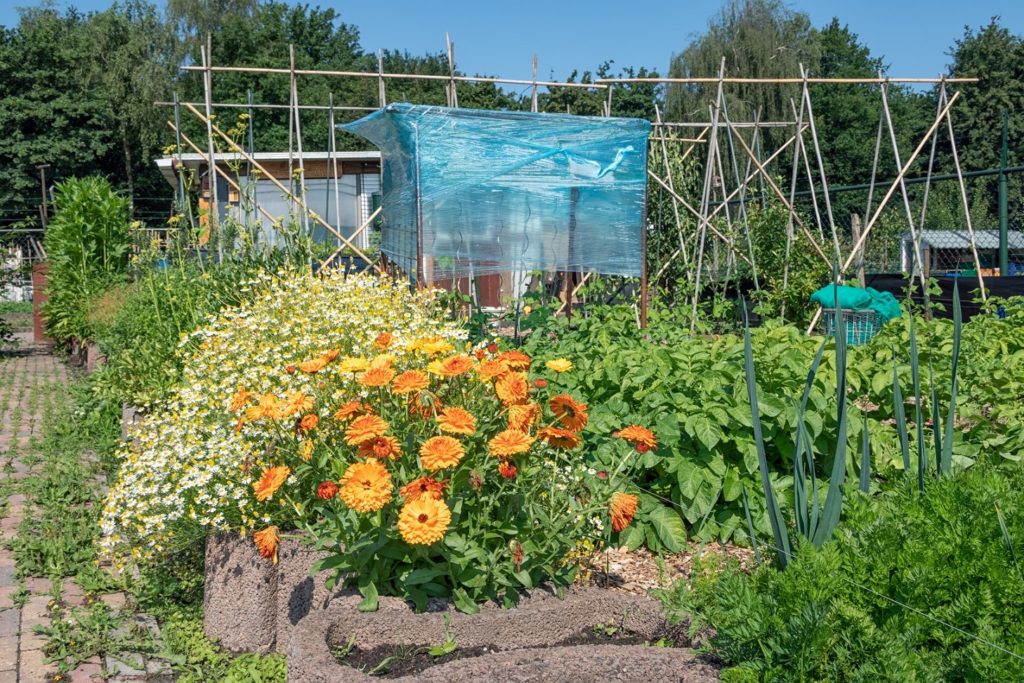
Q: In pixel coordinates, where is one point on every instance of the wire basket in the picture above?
(861, 326)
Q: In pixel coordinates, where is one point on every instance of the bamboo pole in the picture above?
(899, 178)
(782, 197)
(705, 201)
(821, 166)
(963, 198)
(736, 124)
(298, 140)
(781, 81)
(334, 161)
(212, 214)
(672, 187)
(453, 95)
(533, 89)
(810, 176)
(254, 105)
(223, 175)
(279, 186)
(686, 204)
(382, 98)
(414, 77)
(355, 234)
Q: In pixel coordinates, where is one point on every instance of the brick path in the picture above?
(27, 374)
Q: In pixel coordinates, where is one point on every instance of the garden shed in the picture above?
(949, 251)
(469, 193)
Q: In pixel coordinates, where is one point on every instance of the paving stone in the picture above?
(7, 596)
(158, 666)
(126, 664)
(38, 585)
(114, 601)
(32, 667)
(8, 654)
(10, 622)
(87, 672)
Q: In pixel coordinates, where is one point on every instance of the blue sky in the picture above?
(500, 38)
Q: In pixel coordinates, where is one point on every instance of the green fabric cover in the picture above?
(858, 299)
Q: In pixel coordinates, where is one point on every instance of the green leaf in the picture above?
(368, 589)
(732, 488)
(669, 527)
(463, 602)
(707, 432)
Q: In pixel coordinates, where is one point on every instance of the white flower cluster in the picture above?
(191, 466)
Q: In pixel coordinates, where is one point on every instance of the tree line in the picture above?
(78, 90)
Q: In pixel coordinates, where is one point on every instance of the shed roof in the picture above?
(961, 239)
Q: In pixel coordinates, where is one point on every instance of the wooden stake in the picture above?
(212, 216)
(821, 166)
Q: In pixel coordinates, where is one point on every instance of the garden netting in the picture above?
(509, 191)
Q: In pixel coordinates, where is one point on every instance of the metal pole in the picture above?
(1004, 265)
(42, 193)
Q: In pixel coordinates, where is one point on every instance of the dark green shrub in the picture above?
(88, 244)
(907, 590)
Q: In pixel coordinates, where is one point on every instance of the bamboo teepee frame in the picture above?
(712, 234)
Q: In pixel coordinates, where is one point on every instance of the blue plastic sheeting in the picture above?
(509, 191)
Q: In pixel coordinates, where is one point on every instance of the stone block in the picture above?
(239, 601)
(126, 664)
(8, 654)
(87, 672)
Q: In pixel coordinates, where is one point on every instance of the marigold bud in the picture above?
(326, 490)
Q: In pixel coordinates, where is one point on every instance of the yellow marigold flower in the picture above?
(457, 421)
(365, 428)
(560, 438)
(510, 442)
(366, 486)
(269, 408)
(410, 381)
(381, 447)
(424, 486)
(515, 359)
(353, 364)
(431, 345)
(512, 388)
(523, 416)
(439, 452)
(453, 366)
(351, 409)
(239, 399)
(570, 412)
(384, 360)
(267, 542)
(637, 435)
(622, 507)
(313, 366)
(559, 365)
(296, 402)
(270, 482)
(424, 521)
(490, 369)
(306, 451)
(377, 377)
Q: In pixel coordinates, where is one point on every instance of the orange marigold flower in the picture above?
(424, 486)
(559, 365)
(270, 482)
(366, 486)
(377, 377)
(453, 366)
(492, 348)
(540, 383)
(365, 428)
(313, 366)
(239, 399)
(381, 447)
(351, 364)
(622, 507)
(351, 409)
(423, 521)
(383, 341)
(308, 422)
(510, 442)
(638, 436)
(571, 413)
(306, 451)
(512, 388)
(523, 416)
(560, 438)
(507, 469)
(490, 369)
(291, 368)
(326, 490)
(330, 354)
(517, 360)
(269, 407)
(410, 381)
(457, 421)
(296, 402)
(425, 405)
(439, 452)
(267, 542)
(479, 354)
